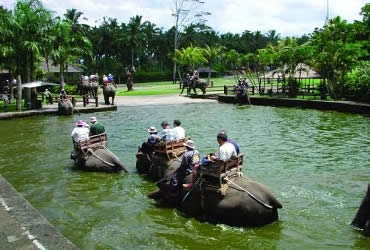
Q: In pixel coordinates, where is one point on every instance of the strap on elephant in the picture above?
(249, 193)
(98, 157)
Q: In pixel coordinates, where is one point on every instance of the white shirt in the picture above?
(179, 132)
(226, 151)
(80, 134)
(167, 134)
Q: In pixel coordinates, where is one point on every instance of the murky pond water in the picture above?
(317, 163)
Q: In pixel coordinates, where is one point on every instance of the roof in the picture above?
(36, 84)
(56, 69)
(301, 71)
(205, 69)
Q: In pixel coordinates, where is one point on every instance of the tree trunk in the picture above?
(19, 93)
(209, 73)
(61, 72)
(132, 56)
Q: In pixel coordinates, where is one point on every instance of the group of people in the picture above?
(167, 133)
(83, 131)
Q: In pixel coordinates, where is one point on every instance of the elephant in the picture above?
(109, 90)
(98, 159)
(130, 70)
(65, 107)
(362, 218)
(245, 202)
(193, 83)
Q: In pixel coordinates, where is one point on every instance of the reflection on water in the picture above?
(317, 164)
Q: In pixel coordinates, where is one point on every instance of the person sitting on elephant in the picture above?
(80, 132)
(110, 78)
(62, 94)
(153, 136)
(179, 131)
(226, 150)
(190, 159)
(237, 149)
(166, 134)
(96, 127)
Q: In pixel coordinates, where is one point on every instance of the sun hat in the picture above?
(152, 130)
(80, 123)
(189, 144)
(93, 119)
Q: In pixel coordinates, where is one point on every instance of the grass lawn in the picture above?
(165, 88)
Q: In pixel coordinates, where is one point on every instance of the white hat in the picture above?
(93, 119)
(152, 130)
(189, 144)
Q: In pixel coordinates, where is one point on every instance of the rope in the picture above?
(98, 157)
(250, 194)
(177, 158)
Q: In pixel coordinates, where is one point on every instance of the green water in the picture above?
(317, 164)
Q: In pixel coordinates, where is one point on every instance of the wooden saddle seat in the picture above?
(93, 142)
(170, 148)
(214, 174)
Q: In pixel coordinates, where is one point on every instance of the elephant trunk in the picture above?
(362, 218)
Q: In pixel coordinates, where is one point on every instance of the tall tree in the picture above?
(136, 34)
(67, 46)
(185, 12)
(335, 53)
(211, 54)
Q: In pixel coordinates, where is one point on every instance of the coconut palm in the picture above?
(189, 57)
(67, 46)
(211, 54)
(136, 34)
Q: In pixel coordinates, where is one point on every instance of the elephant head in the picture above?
(65, 107)
(362, 218)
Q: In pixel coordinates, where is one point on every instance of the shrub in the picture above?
(358, 82)
(69, 88)
(142, 76)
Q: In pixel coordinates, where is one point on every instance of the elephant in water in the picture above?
(244, 203)
(99, 159)
(65, 107)
(362, 218)
(109, 90)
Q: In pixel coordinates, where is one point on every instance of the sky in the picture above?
(287, 17)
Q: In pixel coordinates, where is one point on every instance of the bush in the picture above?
(142, 76)
(358, 82)
(69, 88)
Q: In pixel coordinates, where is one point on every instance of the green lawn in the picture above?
(165, 88)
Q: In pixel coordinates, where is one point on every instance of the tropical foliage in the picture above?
(337, 50)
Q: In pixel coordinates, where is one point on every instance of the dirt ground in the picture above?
(154, 100)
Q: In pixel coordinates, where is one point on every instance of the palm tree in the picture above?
(189, 57)
(211, 54)
(136, 35)
(73, 15)
(68, 46)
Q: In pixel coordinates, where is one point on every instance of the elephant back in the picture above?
(85, 83)
(110, 88)
(162, 167)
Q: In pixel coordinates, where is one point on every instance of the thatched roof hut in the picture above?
(302, 71)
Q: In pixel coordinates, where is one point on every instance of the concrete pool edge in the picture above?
(341, 106)
(54, 111)
(22, 226)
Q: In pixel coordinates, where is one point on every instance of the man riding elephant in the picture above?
(109, 90)
(130, 77)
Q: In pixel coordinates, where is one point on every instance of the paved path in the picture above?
(155, 100)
